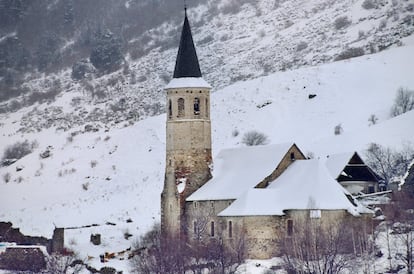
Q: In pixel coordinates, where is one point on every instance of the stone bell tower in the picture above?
(188, 133)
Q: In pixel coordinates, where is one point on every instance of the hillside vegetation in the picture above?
(111, 59)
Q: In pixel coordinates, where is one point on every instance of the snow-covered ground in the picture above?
(110, 176)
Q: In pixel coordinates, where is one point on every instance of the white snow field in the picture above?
(117, 174)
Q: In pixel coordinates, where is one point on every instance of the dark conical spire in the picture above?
(186, 64)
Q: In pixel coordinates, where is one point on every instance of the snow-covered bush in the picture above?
(106, 55)
(80, 68)
(301, 46)
(403, 102)
(369, 4)
(342, 22)
(19, 149)
(254, 138)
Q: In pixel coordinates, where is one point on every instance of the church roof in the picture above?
(238, 169)
(306, 184)
(337, 162)
(186, 64)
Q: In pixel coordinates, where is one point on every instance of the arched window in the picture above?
(169, 109)
(212, 229)
(180, 107)
(196, 106)
(230, 229)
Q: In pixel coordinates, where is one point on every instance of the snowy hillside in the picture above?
(115, 174)
(236, 40)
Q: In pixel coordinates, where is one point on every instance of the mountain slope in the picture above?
(236, 40)
(117, 174)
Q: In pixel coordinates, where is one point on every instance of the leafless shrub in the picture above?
(6, 177)
(62, 264)
(369, 4)
(361, 34)
(85, 186)
(319, 247)
(235, 132)
(403, 102)
(155, 253)
(342, 22)
(254, 138)
(150, 257)
(19, 149)
(93, 163)
(338, 129)
(372, 119)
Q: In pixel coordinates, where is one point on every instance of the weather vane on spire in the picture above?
(185, 6)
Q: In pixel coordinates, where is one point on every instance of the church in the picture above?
(254, 194)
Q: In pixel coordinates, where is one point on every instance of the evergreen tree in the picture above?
(106, 55)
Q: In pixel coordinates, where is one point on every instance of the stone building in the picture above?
(254, 194)
(188, 132)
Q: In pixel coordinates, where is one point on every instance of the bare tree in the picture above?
(63, 264)
(156, 253)
(388, 163)
(254, 138)
(316, 247)
(400, 215)
(403, 102)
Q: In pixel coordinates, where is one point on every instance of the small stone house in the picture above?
(251, 195)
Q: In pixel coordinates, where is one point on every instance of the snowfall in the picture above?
(109, 182)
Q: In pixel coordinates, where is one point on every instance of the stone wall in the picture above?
(13, 235)
(293, 154)
(22, 259)
(188, 154)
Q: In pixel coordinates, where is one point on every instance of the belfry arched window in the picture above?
(180, 107)
(169, 109)
(196, 106)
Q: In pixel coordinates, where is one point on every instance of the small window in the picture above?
(292, 156)
(196, 106)
(315, 214)
(169, 109)
(290, 227)
(195, 228)
(212, 229)
(195, 204)
(180, 107)
(230, 229)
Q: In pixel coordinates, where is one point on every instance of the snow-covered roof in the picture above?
(187, 82)
(238, 169)
(305, 184)
(337, 162)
